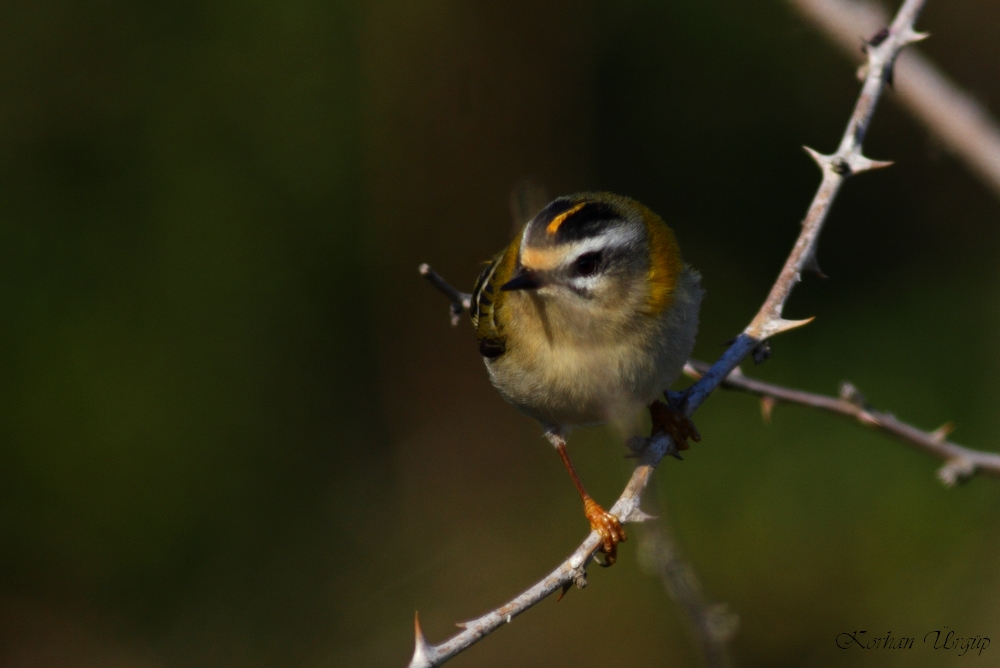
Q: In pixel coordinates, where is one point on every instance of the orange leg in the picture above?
(673, 423)
(601, 521)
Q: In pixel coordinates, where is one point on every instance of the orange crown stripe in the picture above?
(553, 227)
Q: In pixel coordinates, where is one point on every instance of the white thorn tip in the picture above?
(422, 652)
(780, 325)
(867, 419)
(859, 163)
(424, 269)
(911, 37)
(942, 432)
(823, 161)
(638, 515)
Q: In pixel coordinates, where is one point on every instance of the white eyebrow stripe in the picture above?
(551, 257)
(612, 239)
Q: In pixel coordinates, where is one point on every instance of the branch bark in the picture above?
(881, 50)
(846, 161)
(459, 300)
(963, 125)
(961, 463)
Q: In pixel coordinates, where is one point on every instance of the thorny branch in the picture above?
(961, 463)
(961, 122)
(846, 161)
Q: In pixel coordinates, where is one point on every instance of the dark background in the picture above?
(237, 429)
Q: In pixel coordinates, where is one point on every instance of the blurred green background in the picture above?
(237, 429)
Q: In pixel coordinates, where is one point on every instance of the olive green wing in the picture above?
(487, 301)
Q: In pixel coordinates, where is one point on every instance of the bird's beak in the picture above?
(523, 279)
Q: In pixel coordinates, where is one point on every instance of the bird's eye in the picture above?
(588, 264)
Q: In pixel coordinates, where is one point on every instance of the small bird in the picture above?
(585, 318)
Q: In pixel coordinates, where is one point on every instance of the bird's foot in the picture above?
(674, 423)
(608, 526)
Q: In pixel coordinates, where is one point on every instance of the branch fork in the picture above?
(960, 463)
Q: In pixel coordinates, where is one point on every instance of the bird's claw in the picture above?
(674, 423)
(608, 526)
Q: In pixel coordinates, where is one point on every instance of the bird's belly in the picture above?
(607, 376)
(565, 386)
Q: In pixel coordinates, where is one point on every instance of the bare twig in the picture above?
(963, 125)
(459, 300)
(961, 463)
(711, 625)
(836, 168)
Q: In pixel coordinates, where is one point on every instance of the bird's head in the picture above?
(598, 255)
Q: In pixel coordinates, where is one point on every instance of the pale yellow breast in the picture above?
(562, 377)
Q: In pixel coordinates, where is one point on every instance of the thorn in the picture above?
(726, 344)
(822, 160)
(912, 37)
(691, 372)
(462, 625)
(956, 471)
(638, 515)
(852, 394)
(424, 269)
(867, 419)
(735, 373)
(858, 163)
(942, 432)
(565, 588)
(761, 352)
(767, 405)
(811, 264)
(779, 325)
(422, 652)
